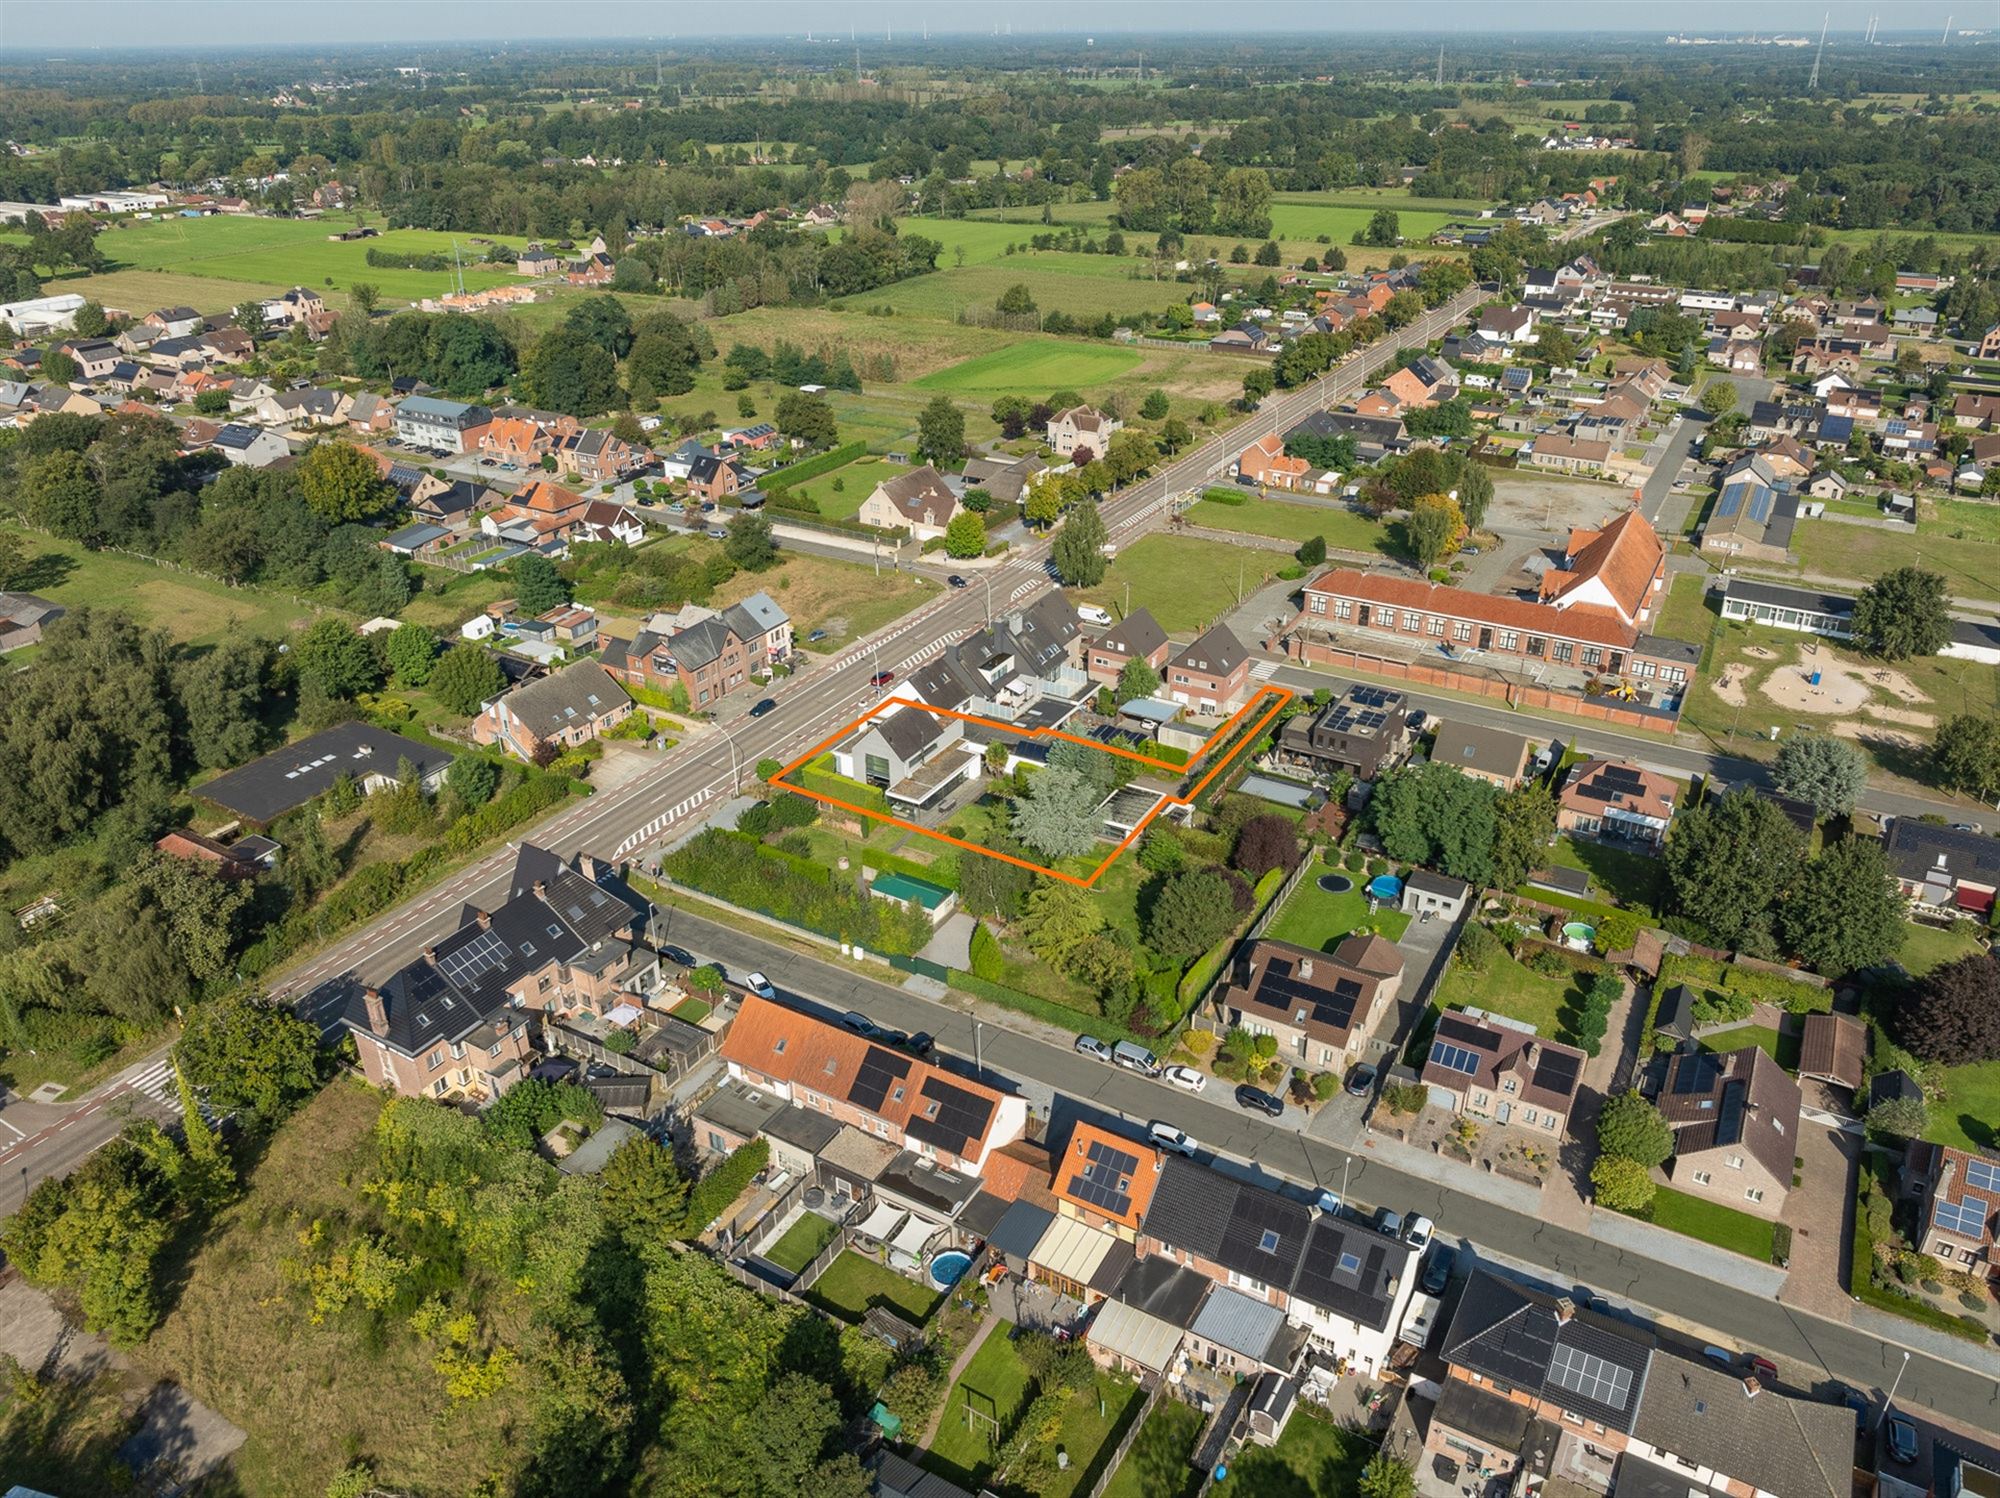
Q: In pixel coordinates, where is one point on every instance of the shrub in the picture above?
(1477, 947)
(1781, 1244)
(987, 960)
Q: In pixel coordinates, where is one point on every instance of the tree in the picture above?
(1155, 406)
(412, 650)
(1136, 680)
(644, 1192)
(750, 544)
(1903, 613)
(473, 778)
(1433, 815)
(211, 402)
(1384, 229)
(1433, 529)
(1825, 772)
(1475, 493)
(59, 368)
(1953, 1017)
(89, 321)
(1016, 300)
(1387, 1476)
(59, 492)
(1078, 552)
(1268, 253)
(1056, 814)
(221, 696)
(246, 1054)
(632, 273)
(1257, 384)
(570, 372)
(1554, 347)
(1524, 823)
(1845, 912)
(1728, 864)
(1621, 1184)
(200, 906)
(965, 536)
(365, 297)
(1718, 397)
(1266, 843)
(538, 587)
(338, 658)
(1631, 1128)
(1057, 919)
(807, 417)
(1898, 1120)
(1967, 755)
(941, 433)
(1174, 435)
(466, 677)
(1192, 912)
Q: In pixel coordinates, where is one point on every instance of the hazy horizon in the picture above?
(220, 25)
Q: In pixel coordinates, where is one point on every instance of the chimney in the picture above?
(431, 955)
(484, 918)
(1305, 969)
(1534, 1053)
(589, 865)
(378, 1012)
(1751, 1388)
(541, 889)
(1565, 1309)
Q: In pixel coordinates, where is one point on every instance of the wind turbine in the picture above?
(1812, 83)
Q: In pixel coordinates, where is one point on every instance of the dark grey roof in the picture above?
(1492, 1418)
(1242, 1227)
(289, 777)
(1352, 1270)
(1426, 882)
(1919, 850)
(897, 1478)
(1383, 430)
(701, 643)
(809, 1131)
(1796, 1448)
(1777, 595)
(1639, 1478)
(982, 1214)
(1968, 632)
(909, 731)
(578, 692)
(941, 682)
(1494, 751)
(1217, 652)
(1020, 1228)
(1138, 634)
(1675, 1016)
(1587, 1363)
(912, 1177)
(462, 497)
(1892, 1086)
(1164, 1290)
(1664, 648)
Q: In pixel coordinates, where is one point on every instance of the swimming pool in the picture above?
(1386, 887)
(947, 1269)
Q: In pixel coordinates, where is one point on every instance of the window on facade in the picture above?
(1735, 1162)
(1563, 651)
(433, 1061)
(1318, 602)
(1592, 655)
(1460, 630)
(1437, 626)
(1509, 639)
(493, 1049)
(1702, 1178)
(1343, 609)
(1536, 644)
(542, 986)
(1510, 1085)
(1754, 1194)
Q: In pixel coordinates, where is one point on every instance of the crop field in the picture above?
(945, 293)
(1034, 368)
(140, 291)
(1306, 216)
(290, 252)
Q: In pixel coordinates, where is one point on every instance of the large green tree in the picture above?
(337, 658)
(569, 372)
(965, 536)
(341, 482)
(465, 677)
(58, 491)
(1632, 1128)
(1844, 912)
(222, 699)
(1729, 863)
(538, 587)
(247, 1054)
(1953, 1015)
(1966, 754)
(1434, 816)
(941, 433)
(749, 543)
(1903, 613)
(412, 649)
(1078, 552)
(1192, 912)
(1056, 814)
(1524, 823)
(1826, 773)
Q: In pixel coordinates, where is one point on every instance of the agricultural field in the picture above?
(140, 291)
(1034, 368)
(1054, 286)
(1306, 216)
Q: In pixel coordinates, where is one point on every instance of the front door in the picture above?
(1485, 638)
(1506, 1111)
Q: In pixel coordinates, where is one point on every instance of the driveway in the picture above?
(1820, 1213)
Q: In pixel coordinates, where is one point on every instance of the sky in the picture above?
(85, 24)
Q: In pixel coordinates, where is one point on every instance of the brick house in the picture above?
(459, 1020)
(1735, 1117)
(714, 477)
(1265, 462)
(596, 457)
(1562, 453)
(1959, 1206)
(1609, 798)
(1211, 675)
(1321, 1007)
(1493, 755)
(514, 439)
(708, 655)
(565, 710)
(1500, 1073)
(920, 501)
(1137, 636)
(1362, 731)
(1081, 426)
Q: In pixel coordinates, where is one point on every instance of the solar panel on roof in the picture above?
(1595, 792)
(1454, 1058)
(880, 1070)
(1105, 1181)
(1557, 1072)
(1620, 775)
(1967, 1218)
(465, 966)
(1591, 1376)
(1982, 1175)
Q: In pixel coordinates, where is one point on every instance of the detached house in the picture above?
(1610, 798)
(1081, 426)
(1363, 731)
(1320, 1007)
(920, 501)
(1493, 755)
(568, 709)
(1943, 869)
(1136, 637)
(426, 421)
(1959, 1206)
(1210, 676)
(1266, 462)
(708, 655)
(1503, 1072)
(596, 457)
(1735, 1117)
(911, 755)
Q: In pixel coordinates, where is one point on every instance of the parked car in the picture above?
(1329, 1203)
(815, 637)
(717, 533)
(858, 1022)
(1902, 1439)
(763, 706)
(956, 581)
(1388, 1224)
(1360, 1080)
(1186, 1078)
(680, 956)
(921, 1044)
(1417, 1232)
(1260, 1101)
(1090, 1045)
(1437, 1269)
(760, 985)
(893, 1037)
(1167, 1137)
(1090, 613)
(1136, 1058)
(1764, 1368)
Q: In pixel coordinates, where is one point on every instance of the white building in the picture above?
(42, 314)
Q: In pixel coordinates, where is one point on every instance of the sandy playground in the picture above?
(1844, 689)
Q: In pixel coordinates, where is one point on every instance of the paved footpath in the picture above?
(959, 1365)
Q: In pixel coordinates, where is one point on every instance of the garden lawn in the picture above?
(1338, 526)
(857, 481)
(1314, 1458)
(846, 599)
(1969, 1116)
(1089, 1437)
(801, 1242)
(1926, 947)
(1711, 1222)
(1186, 582)
(692, 1010)
(1319, 921)
(1034, 367)
(1157, 1465)
(139, 291)
(1688, 615)
(996, 1371)
(1783, 1049)
(852, 1284)
(191, 608)
(1969, 565)
(1509, 989)
(1634, 880)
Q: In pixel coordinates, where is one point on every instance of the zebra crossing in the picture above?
(681, 808)
(157, 1083)
(1264, 670)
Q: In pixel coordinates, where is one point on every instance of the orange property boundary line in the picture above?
(1278, 696)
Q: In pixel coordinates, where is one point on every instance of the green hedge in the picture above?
(1043, 1009)
(815, 777)
(1198, 977)
(988, 961)
(1861, 1279)
(890, 863)
(732, 867)
(1226, 496)
(812, 468)
(1789, 994)
(713, 1193)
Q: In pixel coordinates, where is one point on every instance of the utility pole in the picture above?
(1812, 83)
(1440, 64)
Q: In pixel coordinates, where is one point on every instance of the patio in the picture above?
(1520, 1154)
(1034, 1306)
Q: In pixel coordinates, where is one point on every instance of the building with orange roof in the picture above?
(1266, 462)
(515, 439)
(1106, 1180)
(950, 1122)
(1621, 567)
(541, 514)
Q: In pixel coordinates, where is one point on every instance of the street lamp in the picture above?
(1893, 1388)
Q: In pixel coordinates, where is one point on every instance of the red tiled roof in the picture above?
(1135, 1186)
(1588, 625)
(1626, 555)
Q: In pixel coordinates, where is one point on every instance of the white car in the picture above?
(1418, 1233)
(1167, 1137)
(760, 985)
(1186, 1078)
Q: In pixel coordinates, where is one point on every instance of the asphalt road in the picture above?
(1085, 1088)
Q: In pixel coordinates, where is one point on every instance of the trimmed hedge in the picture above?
(1794, 996)
(1861, 1283)
(1039, 1008)
(794, 890)
(988, 962)
(713, 1193)
(812, 468)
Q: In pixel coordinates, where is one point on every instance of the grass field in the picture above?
(1783, 1049)
(846, 599)
(290, 252)
(1314, 1458)
(1712, 1222)
(193, 609)
(945, 293)
(1319, 921)
(140, 291)
(1157, 1465)
(1507, 988)
(857, 481)
(1034, 367)
(1926, 947)
(1186, 582)
(1306, 216)
(1969, 565)
(852, 1284)
(1969, 1116)
(1340, 527)
(1630, 879)
(801, 1242)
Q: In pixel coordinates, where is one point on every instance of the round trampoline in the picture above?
(1335, 884)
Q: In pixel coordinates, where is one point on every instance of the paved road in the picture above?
(705, 770)
(1048, 1069)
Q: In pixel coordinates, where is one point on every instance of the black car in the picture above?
(764, 706)
(1260, 1101)
(680, 955)
(1902, 1439)
(957, 582)
(921, 1044)
(1437, 1269)
(858, 1022)
(892, 1037)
